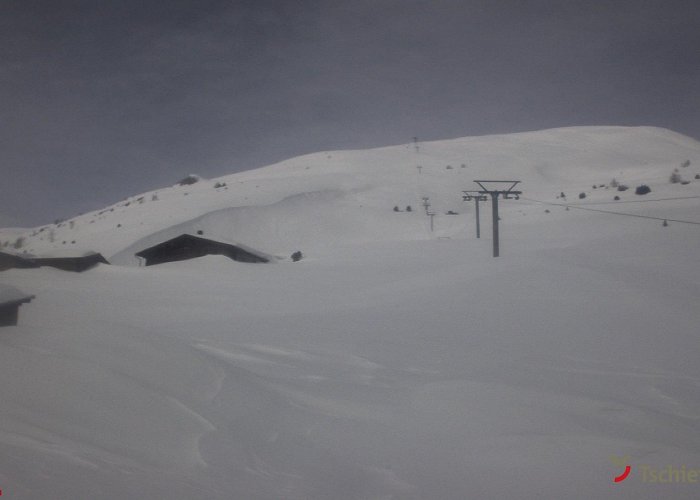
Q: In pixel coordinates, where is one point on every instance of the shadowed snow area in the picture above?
(390, 362)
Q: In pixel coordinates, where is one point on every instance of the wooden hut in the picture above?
(14, 261)
(10, 300)
(187, 246)
(75, 263)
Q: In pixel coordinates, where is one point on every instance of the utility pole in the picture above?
(507, 194)
(474, 195)
(426, 204)
(419, 169)
(415, 144)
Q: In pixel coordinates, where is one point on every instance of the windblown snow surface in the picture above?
(392, 362)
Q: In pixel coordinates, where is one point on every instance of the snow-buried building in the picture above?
(187, 246)
(66, 262)
(10, 300)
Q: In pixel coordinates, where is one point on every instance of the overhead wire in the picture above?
(579, 207)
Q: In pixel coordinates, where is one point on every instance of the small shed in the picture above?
(187, 246)
(10, 300)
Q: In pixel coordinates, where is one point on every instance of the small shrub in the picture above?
(199, 231)
(685, 182)
(409, 209)
(697, 176)
(581, 196)
(190, 179)
(546, 210)
(614, 183)
(396, 209)
(154, 197)
(642, 189)
(451, 212)
(686, 163)
(297, 256)
(617, 198)
(675, 177)
(622, 187)
(562, 195)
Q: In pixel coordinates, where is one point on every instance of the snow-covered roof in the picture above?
(12, 294)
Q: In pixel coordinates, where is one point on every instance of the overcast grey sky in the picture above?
(102, 99)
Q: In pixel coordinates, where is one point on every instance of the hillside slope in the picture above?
(328, 198)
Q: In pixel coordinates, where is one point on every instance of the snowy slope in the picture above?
(326, 198)
(391, 362)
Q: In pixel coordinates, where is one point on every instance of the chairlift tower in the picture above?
(507, 194)
(474, 195)
(426, 204)
(432, 216)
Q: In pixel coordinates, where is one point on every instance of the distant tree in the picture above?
(675, 177)
(19, 243)
(642, 189)
(396, 209)
(409, 209)
(665, 223)
(697, 176)
(614, 183)
(581, 196)
(297, 256)
(562, 195)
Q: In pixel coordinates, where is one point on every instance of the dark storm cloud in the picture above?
(101, 99)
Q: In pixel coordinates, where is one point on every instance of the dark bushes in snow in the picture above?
(297, 256)
(190, 179)
(642, 189)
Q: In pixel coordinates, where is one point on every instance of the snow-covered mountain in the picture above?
(391, 362)
(337, 197)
